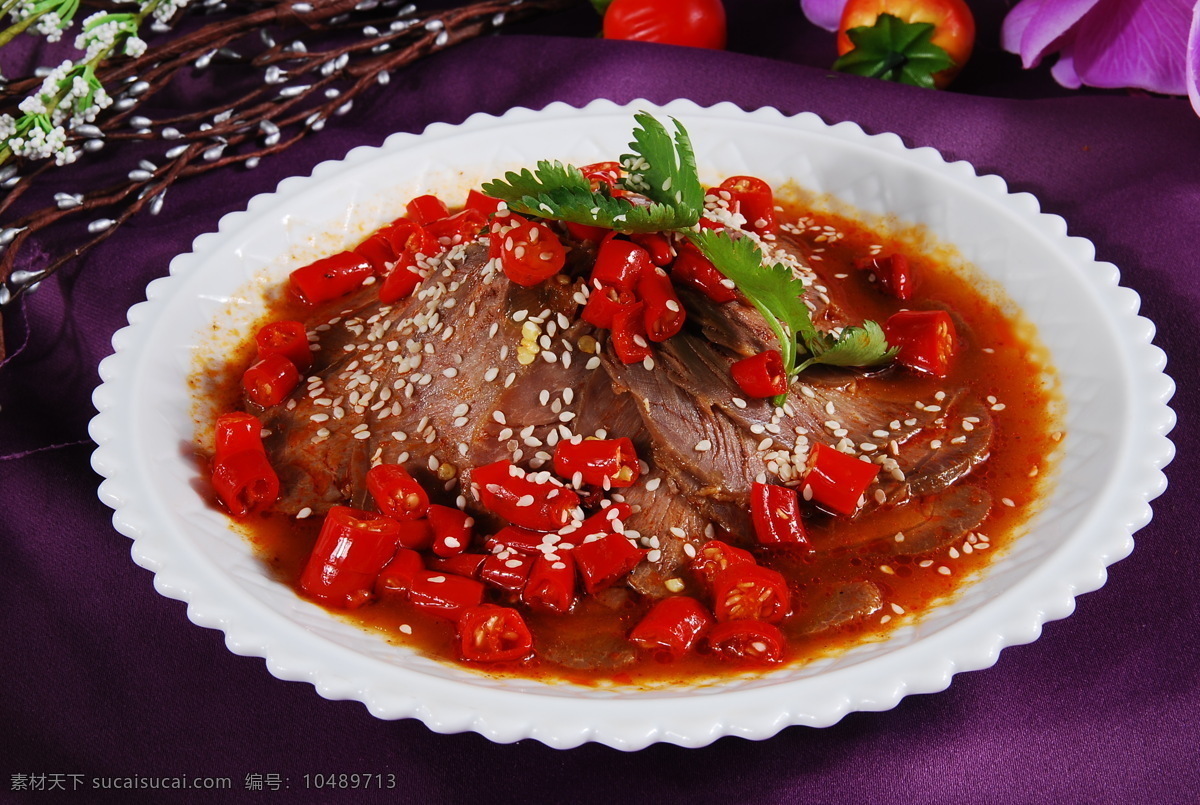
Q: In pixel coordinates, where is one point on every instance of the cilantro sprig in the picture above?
(779, 296)
(662, 167)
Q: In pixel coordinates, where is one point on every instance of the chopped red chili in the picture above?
(603, 305)
(672, 627)
(629, 334)
(754, 199)
(620, 263)
(837, 480)
(894, 274)
(245, 481)
(286, 337)
(750, 592)
(530, 252)
(761, 375)
(378, 250)
(462, 226)
(656, 245)
(460, 564)
(775, 512)
(715, 556)
(605, 561)
(746, 641)
(237, 431)
(926, 339)
(514, 538)
(444, 594)
(528, 500)
(426, 209)
(270, 379)
(330, 277)
(396, 493)
(551, 583)
(397, 575)
(415, 534)
(491, 633)
(696, 271)
(507, 572)
(452, 529)
(664, 315)
(351, 550)
(401, 280)
(599, 462)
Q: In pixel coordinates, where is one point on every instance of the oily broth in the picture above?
(998, 357)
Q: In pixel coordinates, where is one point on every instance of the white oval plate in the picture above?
(1111, 377)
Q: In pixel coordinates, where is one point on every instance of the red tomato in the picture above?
(695, 23)
(953, 24)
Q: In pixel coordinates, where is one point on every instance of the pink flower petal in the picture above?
(1134, 44)
(1037, 27)
(1064, 71)
(1193, 60)
(825, 13)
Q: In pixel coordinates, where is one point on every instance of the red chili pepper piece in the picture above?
(696, 271)
(750, 592)
(415, 534)
(837, 480)
(237, 431)
(603, 305)
(664, 315)
(894, 274)
(270, 379)
(656, 245)
(462, 564)
(530, 252)
(426, 209)
(452, 529)
(600, 462)
(585, 233)
(480, 203)
(605, 561)
(444, 594)
(629, 334)
(539, 505)
(551, 583)
(330, 277)
(287, 338)
(715, 556)
(513, 538)
(604, 173)
(926, 339)
(761, 375)
(407, 236)
(507, 573)
(462, 226)
(397, 575)
(401, 280)
(672, 627)
(491, 633)
(619, 264)
(396, 493)
(378, 250)
(245, 481)
(746, 641)
(754, 199)
(353, 547)
(775, 512)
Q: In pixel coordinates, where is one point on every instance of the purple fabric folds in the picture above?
(106, 678)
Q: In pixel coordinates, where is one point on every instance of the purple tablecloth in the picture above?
(103, 677)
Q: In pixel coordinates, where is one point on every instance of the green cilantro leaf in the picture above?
(895, 50)
(856, 346)
(664, 170)
(776, 292)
